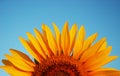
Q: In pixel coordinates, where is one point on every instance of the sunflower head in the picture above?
(66, 53)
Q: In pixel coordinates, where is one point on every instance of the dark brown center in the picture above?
(58, 66)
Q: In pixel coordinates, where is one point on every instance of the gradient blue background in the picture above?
(18, 17)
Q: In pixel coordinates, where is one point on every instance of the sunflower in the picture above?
(66, 53)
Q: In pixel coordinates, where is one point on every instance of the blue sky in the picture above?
(20, 16)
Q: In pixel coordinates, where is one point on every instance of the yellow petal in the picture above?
(106, 73)
(51, 40)
(89, 41)
(98, 57)
(58, 37)
(44, 35)
(103, 46)
(98, 65)
(92, 50)
(15, 72)
(72, 33)
(105, 51)
(103, 69)
(19, 63)
(28, 48)
(65, 39)
(36, 44)
(41, 42)
(79, 42)
(22, 56)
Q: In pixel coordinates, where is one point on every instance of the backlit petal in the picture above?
(15, 72)
(89, 41)
(107, 73)
(73, 32)
(42, 42)
(21, 56)
(79, 43)
(65, 39)
(28, 48)
(106, 60)
(51, 40)
(98, 57)
(44, 35)
(58, 37)
(19, 63)
(92, 50)
(35, 43)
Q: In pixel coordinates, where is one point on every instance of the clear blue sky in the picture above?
(19, 16)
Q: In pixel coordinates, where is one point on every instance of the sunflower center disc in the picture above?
(58, 66)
